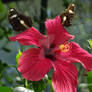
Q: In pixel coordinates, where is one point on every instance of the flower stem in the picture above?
(26, 83)
(13, 66)
(24, 80)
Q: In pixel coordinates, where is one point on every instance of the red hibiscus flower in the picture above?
(53, 51)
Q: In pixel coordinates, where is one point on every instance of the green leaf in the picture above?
(89, 80)
(1, 33)
(50, 83)
(65, 3)
(2, 10)
(39, 86)
(6, 49)
(5, 89)
(2, 67)
(18, 56)
(12, 5)
(90, 43)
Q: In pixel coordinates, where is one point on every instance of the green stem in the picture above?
(13, 66)
(49, 81)
(24, 80)
(22, 48)
(26, 83)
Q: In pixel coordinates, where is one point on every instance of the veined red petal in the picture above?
(77, 54)
(33, 65)
(29, 37)
(56, 31)
(65, 77)
(82, 55)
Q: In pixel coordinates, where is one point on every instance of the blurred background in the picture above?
(39, 11)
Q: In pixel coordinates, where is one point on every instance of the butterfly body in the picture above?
(19, 21)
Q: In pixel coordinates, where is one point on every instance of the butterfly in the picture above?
(19, 21)
(68, 15)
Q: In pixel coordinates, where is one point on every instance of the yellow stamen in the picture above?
(64, 47)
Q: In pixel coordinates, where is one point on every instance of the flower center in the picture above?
(64, 47)
(49, 54)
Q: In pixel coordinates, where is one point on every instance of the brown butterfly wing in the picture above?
(19, 21)
(68, 15)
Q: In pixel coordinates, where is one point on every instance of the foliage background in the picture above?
(81, 28)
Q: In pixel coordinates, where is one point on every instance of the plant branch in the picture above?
(43, 15)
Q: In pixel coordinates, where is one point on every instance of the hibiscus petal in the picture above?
(56, 31)
(32, 65)
(29, 37)
(77, 54)
(65, 77)
(82, 55)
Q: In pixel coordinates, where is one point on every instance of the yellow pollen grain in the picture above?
(64, 47)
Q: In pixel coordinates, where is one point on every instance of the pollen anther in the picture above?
(64, 47)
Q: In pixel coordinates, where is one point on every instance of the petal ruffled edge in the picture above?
(56, 31)
(82, 55)
(29, 37)
(65, 77)
(76, 54)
